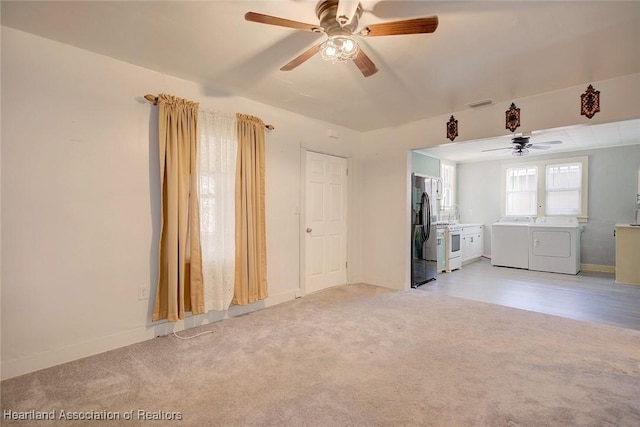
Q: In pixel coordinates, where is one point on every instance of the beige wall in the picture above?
(80, 199)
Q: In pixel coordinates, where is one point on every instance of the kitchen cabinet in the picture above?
(627, 250)
(472, 242)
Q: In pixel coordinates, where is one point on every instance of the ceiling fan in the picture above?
(339, 19)
(520, 145)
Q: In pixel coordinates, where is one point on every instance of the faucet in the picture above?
(452, 213)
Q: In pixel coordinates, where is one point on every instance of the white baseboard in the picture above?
(281, 297)
(598, 268)
(36, 362)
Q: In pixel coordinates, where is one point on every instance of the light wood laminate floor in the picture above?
(589, 296)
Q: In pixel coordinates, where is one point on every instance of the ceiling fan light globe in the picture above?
(330, 51)
(348, 45)
(339, 49)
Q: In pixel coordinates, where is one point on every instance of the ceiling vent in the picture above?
(481, 103)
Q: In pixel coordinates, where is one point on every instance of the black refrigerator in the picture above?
(424, 249)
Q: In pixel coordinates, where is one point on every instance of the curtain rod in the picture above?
(154, 100)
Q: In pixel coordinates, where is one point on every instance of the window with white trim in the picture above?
(521, 194)
(563, 189)
(560, 190)
(447, 174)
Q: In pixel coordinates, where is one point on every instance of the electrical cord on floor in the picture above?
(192, 336)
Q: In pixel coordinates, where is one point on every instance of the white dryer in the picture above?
(554, 245)
(510, 241)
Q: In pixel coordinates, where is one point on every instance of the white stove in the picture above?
(453, 247)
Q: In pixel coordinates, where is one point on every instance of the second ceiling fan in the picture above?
(339, 19)
(521, 145)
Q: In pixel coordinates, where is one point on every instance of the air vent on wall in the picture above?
(480, 103)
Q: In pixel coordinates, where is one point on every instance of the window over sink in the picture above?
(447, 174)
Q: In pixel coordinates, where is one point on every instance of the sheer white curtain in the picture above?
(217, 152)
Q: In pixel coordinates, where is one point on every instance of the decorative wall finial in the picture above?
(590, 102)
(452, 128)
(512, 117)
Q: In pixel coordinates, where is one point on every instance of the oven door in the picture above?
(454, 243)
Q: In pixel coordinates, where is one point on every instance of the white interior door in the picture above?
(325, 221)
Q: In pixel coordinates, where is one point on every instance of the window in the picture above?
(560, 190)
(447, 174)
(521, 195)
(563, 189)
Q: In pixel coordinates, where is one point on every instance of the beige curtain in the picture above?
(251, 246)
(180, 286)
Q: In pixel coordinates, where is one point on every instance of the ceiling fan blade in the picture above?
(281, 22)
(365, 64)
(551, 142)
(346, 10)
(409, 26)
(539, 147)
(496, 149)
(304, 56)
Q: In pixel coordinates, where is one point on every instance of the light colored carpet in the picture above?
(359, 355)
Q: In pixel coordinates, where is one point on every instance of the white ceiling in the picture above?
(500, 50)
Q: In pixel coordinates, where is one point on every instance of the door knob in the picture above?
(309, 230)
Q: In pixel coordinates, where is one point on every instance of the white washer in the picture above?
(510, 241)
(554, 245)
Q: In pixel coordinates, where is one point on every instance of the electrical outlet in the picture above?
(143, 292)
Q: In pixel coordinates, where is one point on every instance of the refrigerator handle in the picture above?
(427, 226)
(421, 210)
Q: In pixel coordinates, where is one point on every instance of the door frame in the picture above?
(302, 216)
